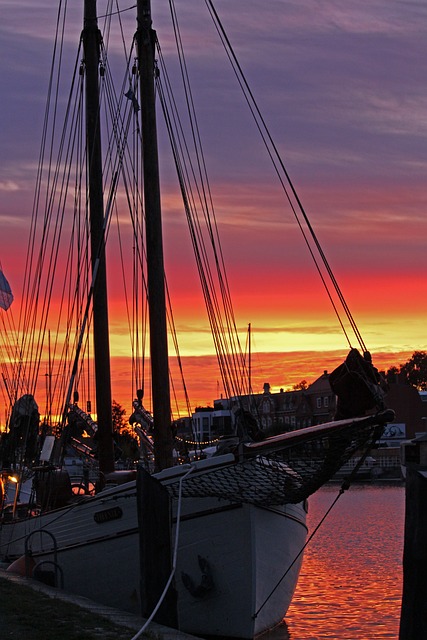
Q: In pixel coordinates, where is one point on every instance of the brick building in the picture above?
(283, 411)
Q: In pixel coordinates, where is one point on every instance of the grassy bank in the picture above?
(26, 614)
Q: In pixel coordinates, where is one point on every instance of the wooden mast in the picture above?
(145, 40)
(91, 37)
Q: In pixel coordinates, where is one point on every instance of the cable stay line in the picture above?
(281, 169)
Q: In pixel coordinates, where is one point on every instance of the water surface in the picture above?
(350, 585)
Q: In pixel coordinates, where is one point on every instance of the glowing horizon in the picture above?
(351, 130)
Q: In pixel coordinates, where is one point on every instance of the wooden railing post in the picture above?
(413, 620)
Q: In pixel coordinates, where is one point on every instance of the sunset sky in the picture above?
(342, 87)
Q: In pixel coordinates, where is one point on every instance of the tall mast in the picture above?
(91, 45)
(145, 40)
(250, 362)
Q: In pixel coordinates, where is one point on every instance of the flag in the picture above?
(6, 297)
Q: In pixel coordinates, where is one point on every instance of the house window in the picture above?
(319, 403)
(326, 401)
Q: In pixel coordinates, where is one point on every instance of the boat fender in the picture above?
(206, 583)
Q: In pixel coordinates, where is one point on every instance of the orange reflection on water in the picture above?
(351, 579)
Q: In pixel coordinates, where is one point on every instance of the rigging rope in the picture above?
(174, 557)
(54, 260)
(215, 288)
(279, 165)
(191, 168)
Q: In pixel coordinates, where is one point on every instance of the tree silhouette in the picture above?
(391, 374)
(300, 386)
(415, 370)
(118, 415)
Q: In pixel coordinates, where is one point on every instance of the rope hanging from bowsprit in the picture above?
(344, 487)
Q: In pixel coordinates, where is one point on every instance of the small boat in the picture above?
(213, 546)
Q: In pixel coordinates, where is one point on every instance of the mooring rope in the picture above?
(174, 559)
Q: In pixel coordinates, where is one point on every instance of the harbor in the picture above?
(350, 585)
(132, 505)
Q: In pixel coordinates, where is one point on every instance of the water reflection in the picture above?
(351, 580)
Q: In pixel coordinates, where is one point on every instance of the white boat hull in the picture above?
(248, 549)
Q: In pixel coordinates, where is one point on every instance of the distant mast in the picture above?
(91, 45)
(249, 362)
(145, 40)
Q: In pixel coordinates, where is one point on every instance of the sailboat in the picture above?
(212, 546)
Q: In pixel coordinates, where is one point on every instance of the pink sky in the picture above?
(342, 88)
